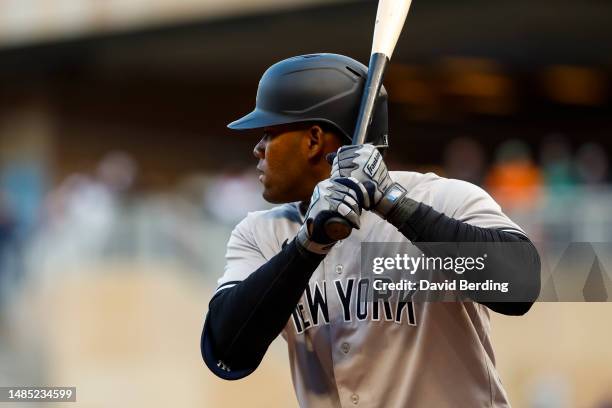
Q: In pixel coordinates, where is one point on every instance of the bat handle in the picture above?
(371, 89)
(337, 228)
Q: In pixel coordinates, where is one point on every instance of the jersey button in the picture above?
(345, 347)
(355, 399)
(339, 268)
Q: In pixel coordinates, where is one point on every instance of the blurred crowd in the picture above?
(517, 175)
(557, 192)
(99, 215)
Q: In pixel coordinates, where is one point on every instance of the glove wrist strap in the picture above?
(389, 200)
(306, 244)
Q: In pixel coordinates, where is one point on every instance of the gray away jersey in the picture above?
(347, 353)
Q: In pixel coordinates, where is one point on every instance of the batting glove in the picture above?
(331, 198)
(365, 164)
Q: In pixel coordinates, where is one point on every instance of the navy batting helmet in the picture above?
(315, 88)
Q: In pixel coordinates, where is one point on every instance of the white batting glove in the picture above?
(365, 164)
(331, 198)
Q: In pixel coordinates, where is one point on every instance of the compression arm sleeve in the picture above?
(243, 320)
(518, 263)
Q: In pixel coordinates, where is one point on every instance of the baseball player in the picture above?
(284, 275)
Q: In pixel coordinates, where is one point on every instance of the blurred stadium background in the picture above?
(119, 184)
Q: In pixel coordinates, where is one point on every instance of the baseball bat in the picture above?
(390, 18)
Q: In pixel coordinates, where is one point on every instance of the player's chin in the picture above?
(276, 196)
(271, 196)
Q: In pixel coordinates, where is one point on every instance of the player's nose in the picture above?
(260, 149)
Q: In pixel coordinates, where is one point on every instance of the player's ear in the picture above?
(315, 141)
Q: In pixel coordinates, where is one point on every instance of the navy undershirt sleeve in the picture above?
(243, 320)
(517, 264)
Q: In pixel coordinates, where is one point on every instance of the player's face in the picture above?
(283, 164)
